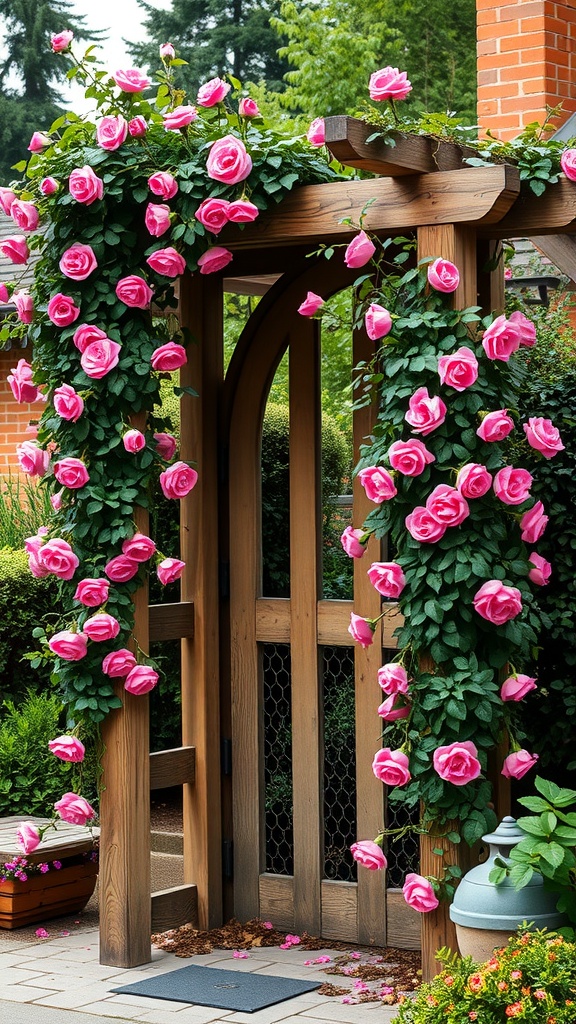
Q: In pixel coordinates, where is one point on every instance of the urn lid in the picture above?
(508, 833)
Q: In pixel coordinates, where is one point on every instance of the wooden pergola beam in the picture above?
(549, 214)
(406, 154)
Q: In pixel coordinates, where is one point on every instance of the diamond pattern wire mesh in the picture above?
(403, 855)
(339, 763)
(278, 759)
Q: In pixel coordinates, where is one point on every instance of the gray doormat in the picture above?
(225, 990)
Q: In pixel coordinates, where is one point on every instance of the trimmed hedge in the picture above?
(25, 602)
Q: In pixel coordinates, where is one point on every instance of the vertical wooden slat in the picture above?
(201, 311)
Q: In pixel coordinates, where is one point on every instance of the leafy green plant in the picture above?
(25, 602)
(24, 507)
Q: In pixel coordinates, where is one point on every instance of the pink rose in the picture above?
(443, 276)
(99, 357)
(118, 664)
(85, 186)
(134, 292)
(25, 215)
(512, 486)
(391, 767)
(377, 483)
(67, 748)
(62, 311)
(163, 184)
(387, 578)
(165, 446)
(391, 711)
(526, 328)
(169, 570)
(422, 526)
(74, 809)
(92, 592)
(38, 142)
(20, 381)
(58, 558)
(121, 569)
(458, 370)
(101, 627)
(28, 836)
(377, 321)
(24, 305)
(48, 186)
(167, 51)
(139, 547)
(501, 339)
(111, 132)
(7, 197)
(517, 764)
(425, 412)
(178, 480)
(179, 117)
(138, 126)
(213, 214)
(67, 403)
(361, 630)
(447, 506)
(568, 163)
(15, 249)
(457, 762)
(409, 457)
(495, 426)
(359, 251)
(516, 687)
(497, 603)
(140, 679)
(134, 441)
(248, 108)
(131, 80)
(78, 262)
(242, 212)
(68, 645)
(32, 460)
(541, 570)
(393, 678)
(61, 40)
(228, 161)
(71, 473)
(389, 84)
(473, 480)
(167, 261)
(542, 435)
(157, 218)
(168, 357)
(419, 894)
(215, 259)
(351, 541)
(86, 334)
(4, 297)
(533, 523)
(212, 92)
(316, 133)
(312, 303)
(56, 500)
(368, 855)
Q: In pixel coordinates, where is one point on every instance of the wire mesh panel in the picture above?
(278, 759)
(403, 855)
(339, 763)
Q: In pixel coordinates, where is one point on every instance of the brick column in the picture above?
(14, 418)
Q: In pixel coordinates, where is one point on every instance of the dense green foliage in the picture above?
(25, 602)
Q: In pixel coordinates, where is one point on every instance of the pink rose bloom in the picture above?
(242, 212)
(419, 894)
(168, 262)
(473, 480)
(228, 161)
(215, 259)
(118, 664)
(56, 500)
(516, 687)
(134, 292)
(179, 117)
(25, 215)
(20, 381)
(377, 483)
(498, 603)
(85, 186)
(169, 357)
(377, 321)
(178, 480)
(447, 505)
(409, 457)
(131, 80)
(24, 306)
(167, 51)
(138, 126)
(360, 630)
(58, 558)
(169, 570)
(496, 426)
(99, 357)
(316, 133)
(533, 523)
(74, 809)
(62, 311)
(390, 711)
(32, 460)
(512, 486)
(121, 569)
(139, 547)
(157, 218)
(568, 163)
(4, 297)
(458, 370)
(457, 762)
(443, 276)
(7, 197)
(163, 184)
(86, 334)
(312, 303)
(351, 541)
(134, 441)
(71, 473)
(67, 748)
(542, 435)
(423, 527)
(67, 403)
(213, 214)
(387, 578)
(61, 40)
(78, 262)
(48, 186)
(393, 678)
(101, 627)
(140, 679)
(389, 84)
(517, 764)
(359, 251)
(68, 645)
(425, 412)
(28, 836)
(501, 339)
(248, 107)
(541, 570)
(165, 446)
(111, 132)
(369, 855)
(38, 142)
(212, 92)
(15, 249)
(526, 327)
(391, 767)
(92, 592)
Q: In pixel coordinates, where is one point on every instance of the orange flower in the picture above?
(448, 980)
(475, 982)
(516, 975)
(503, 986)
(514, 1009)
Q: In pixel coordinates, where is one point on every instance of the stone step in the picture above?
(166, 842)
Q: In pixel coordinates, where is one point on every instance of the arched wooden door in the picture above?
(356, 911)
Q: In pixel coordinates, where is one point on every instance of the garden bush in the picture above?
(25, 603)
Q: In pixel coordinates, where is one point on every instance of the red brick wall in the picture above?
(526, 62)
(14, 418)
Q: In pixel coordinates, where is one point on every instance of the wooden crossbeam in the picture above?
(406, 154)
(174, 907)
(549, 214)
(174, 767)
(171, 621)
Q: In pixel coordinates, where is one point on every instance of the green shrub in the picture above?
(24, 506)
(25, 602)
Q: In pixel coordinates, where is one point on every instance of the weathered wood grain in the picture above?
(174, 907)
(408, 154)
(176, 767)
(171, 621)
